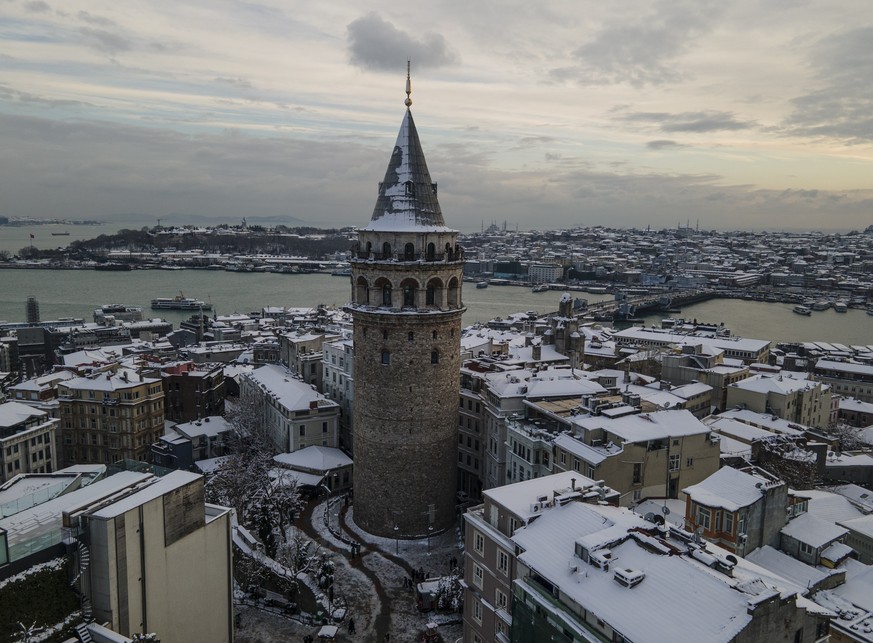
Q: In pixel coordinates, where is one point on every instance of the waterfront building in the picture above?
(28, 440)
(110, 416)
(406, 308)
(749, 351)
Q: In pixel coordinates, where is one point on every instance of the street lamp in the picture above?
(396, 539)
(429, 532)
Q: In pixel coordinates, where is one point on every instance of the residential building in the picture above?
(295, 415)
(489, 553)
(641, 455)
(849, 379)
(800, 400)
(110, 416)
(192, 391)
(184, 444)
(28, 440)
(339, 385)
(302, 352)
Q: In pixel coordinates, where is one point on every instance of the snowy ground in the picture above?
(372, 586)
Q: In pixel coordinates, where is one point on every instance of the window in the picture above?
(477, 612)
(386, 358)
(478, 575)
(409, 295)
(563, 458)
(302, 430)
(637, 475)
(430, 296)
(502, 561)
(500, 599)
(704, 518)
(434, 357)
(409, 252)
(807, 549)
(386, 295)
(411, 336)
(478, 543)
(741, 523)
(727, 522)
(689, 462)
(324, 427)
(674, 462)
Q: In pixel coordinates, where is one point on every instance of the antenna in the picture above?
(408, 100)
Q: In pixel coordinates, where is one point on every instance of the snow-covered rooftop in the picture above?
(727, 488)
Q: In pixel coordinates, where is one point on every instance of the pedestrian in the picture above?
(351, 626)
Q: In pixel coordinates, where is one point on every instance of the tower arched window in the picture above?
(410, 188)
(430, 297)
(410, 336)
(386, 295)
(431, 252)
(434, 357)
(369, 248)
(448, 251)
(409, 296)
(386, 358)
(409, 252)
(386, 250)
(434, 334)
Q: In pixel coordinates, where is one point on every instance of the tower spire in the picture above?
(408, 100)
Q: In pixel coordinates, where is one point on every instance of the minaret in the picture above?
(406, 307)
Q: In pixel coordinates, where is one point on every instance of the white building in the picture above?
(294, 413)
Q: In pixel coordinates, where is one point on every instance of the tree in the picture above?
(265, 498)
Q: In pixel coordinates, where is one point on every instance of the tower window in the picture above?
(411, 336)
(434, 357)
(410, 188)
(386, 358)
(434, 334)
(430, 298)
(431, 252)
(409, 252)
(384, 334)
(409, 295)
(386, 295)
(386, 250)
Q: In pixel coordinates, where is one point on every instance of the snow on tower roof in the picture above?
(407, 195)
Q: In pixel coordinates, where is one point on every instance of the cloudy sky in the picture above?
(731, 115)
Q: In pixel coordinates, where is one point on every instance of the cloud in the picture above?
(842, 105)
(13, 95)
(377, 44)
(239, 83)
(642, 50)
(711, 121)
(37, 6)
(664, 145)
(105, 41)
(98, 21)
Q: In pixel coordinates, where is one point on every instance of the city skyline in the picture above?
(752, 115)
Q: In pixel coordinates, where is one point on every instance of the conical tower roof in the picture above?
(407, 196)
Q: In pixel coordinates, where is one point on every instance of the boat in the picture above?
(481, 284)
(343, 272)
(802, 310)
(60, 234)
(841, 306)
(179, 302)
(822, 304)
(540, 288)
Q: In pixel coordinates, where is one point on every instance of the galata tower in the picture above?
(406, 306)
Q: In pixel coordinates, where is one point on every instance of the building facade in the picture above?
(110, 416)
(406, 309)
(27, 441)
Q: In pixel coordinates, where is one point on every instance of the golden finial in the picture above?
(408, 100)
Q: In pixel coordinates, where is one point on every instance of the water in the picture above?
(76, 293)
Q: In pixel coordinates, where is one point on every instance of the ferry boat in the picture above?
(822, 304)
(179, 302)
(60, 234)
(481, 284)
(540, 288)
(841, 306)
(802, 310)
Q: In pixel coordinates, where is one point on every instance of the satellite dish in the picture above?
(665, 510)
(659, 520)
(650, 517)
(731, 559)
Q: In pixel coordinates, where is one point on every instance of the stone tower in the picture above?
(406, 306)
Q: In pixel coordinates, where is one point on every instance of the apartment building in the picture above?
(339, 385)
(192, 391)
(28, 440)
(110, 416)
(294, 413)
(641, 455)
(802, 401)
(849, 379)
